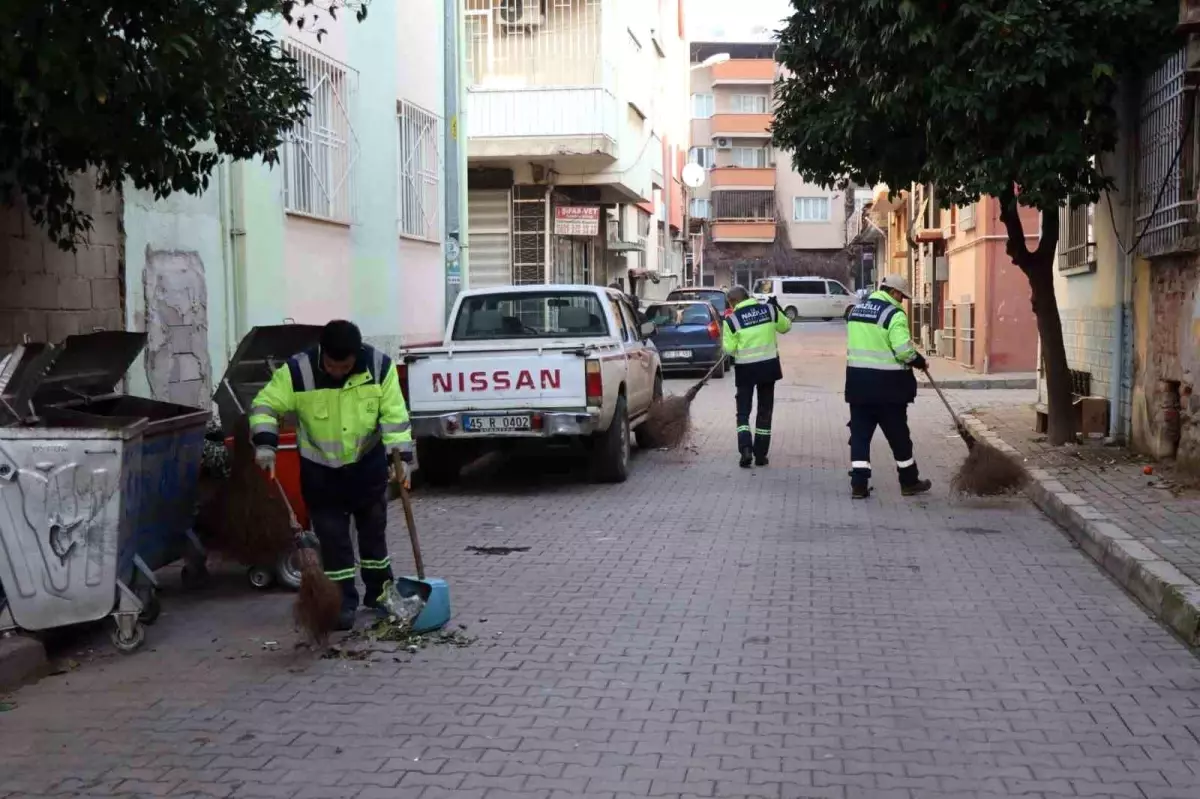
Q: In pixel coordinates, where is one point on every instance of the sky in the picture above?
(734, 20)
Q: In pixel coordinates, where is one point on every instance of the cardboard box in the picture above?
(1091, 416)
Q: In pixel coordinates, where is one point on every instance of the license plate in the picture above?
(497, 424)
(677, 354)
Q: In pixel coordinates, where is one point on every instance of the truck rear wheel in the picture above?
(611, 455)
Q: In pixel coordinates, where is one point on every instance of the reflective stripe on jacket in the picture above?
(749, 333)
(339, 422)
(879, 351)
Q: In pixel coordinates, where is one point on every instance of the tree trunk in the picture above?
(1061, 428)
(1038, 267)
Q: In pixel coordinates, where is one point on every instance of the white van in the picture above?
(807, 297)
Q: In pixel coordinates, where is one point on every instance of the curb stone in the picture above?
(1172, 596)
(984, 385)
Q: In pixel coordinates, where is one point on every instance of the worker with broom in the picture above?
(880, 384)
(749, 337)
(351, 419)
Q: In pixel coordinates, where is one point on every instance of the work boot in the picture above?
(860, 491)
(761, 460)
(747, 458)
(919, 487)
(345, 620)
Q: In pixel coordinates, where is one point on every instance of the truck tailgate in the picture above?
(496, 381)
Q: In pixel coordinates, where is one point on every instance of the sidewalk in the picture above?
(1144, 529)
(951, 374)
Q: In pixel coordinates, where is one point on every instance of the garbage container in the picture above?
(259, 354)
(68, 500)
(79, 389)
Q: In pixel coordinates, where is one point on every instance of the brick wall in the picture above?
(49, 294)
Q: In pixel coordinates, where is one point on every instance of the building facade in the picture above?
(574, 141)
(348, 224)
(754, 216)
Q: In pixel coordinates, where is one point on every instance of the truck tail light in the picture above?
(594, 382)
(728, 312)
(714, 331)
(402, 376)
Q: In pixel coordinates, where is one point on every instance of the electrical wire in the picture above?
(1162, 189)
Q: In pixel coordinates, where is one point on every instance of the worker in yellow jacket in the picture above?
(749, 337)
(351, 418)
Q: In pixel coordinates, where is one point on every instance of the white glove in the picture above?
(264, 458)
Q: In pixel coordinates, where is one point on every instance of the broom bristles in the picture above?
(988, 472)
(246, 519)
(318, 602)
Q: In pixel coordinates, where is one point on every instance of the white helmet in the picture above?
(896, 283)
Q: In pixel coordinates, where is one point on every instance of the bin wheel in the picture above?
(288, 570)
(133, 642)
(151, 605)
(193, 577)
(260, 578)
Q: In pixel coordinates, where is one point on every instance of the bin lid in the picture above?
(258, 355)
(90, 365)
(22, 370)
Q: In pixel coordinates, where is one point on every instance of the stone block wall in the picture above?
(48, 294)
(1088, 334)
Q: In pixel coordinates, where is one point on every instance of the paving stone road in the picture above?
(701, 631)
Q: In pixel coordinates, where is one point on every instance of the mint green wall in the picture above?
(372, 50)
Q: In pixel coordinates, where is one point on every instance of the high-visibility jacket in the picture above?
(879, 353)
(344, 427)
(749, 336)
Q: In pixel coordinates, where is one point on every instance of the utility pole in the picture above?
(454, 134)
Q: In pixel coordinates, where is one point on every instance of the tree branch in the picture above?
(1010, 215)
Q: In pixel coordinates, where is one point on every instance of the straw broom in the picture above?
(986, 471)
(669, 419)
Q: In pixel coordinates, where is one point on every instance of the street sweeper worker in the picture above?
(749, 337)
(880, 384)
(351, 421)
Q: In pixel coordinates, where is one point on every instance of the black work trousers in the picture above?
(892, 419)
(760, 440)
(331, 523)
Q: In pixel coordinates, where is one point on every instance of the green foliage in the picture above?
(151, 92)
(973, 96)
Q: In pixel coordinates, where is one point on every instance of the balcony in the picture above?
(743, 126)
(751, 232)
(744, 72)
(742, 178)
(542, 122)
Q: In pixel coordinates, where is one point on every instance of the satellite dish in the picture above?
(693, 176)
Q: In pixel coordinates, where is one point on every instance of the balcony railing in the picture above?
(561, 112)
(744, 71)
(736, 177)
(741, 125)
(744, 232)
(757, 206)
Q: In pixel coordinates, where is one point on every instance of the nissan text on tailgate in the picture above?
(521, 364)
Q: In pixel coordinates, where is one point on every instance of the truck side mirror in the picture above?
(647, 329)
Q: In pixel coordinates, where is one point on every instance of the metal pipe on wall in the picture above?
(452, 161)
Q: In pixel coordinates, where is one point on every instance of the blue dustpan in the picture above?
(434, 591)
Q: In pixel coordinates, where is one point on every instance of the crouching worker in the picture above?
(351, 418)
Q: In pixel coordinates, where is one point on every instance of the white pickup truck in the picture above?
(518, 364)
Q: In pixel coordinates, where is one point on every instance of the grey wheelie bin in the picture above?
(79, 389)
(68, 501)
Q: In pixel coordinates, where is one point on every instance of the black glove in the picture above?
(773, 300)
(919, 363)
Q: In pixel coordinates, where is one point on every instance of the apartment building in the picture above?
(754, 216)
(575, 141)
(348, 224)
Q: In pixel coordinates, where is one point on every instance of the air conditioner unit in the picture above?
(724, 143)
(521, 13)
